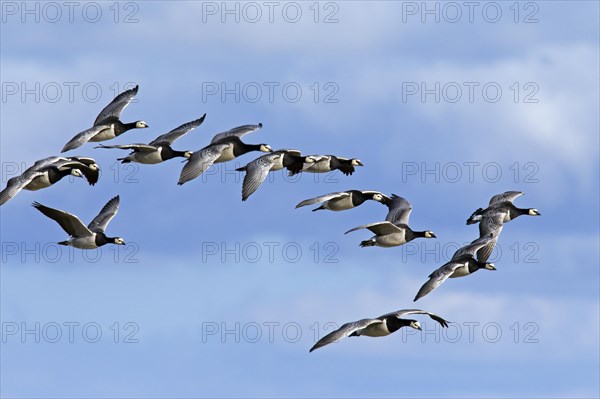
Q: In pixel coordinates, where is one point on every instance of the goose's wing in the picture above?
(290, 152)
(437, 278)
(63, 163)
(89, 168)
(507, 196)
(344, 331)
(399, 210)
(293, 160)
(344, 165)
(490, 226)
(238, 132)
(45, 162)
(69, 223)
(404, 312)
(346, 168)
(105, 216)
(500, 203)
(74, 163)
(16, 184)
(256, 173)
(386, 198)
(91, 174)
(138, 147)
(379, 228)
(83, 137)
(294, 165)
(472, 248)
(200, 161)
(323, 198)
(117, 105)
(311, 161)
(178, 132)
(84, 160)
(475, 216)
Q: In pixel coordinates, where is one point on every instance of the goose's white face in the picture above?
(429, 234)
(266, 148)
(356, 162)
(310, 159)
(76, 172)
(94, 166)
(378, 197)
(534, 212)
(415, 324)
(489, 266)
(188, 154)
(119, 241)
(141, 124)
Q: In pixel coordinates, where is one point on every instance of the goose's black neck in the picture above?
(178, 153)
(128, 126)
(358, 197)
(102, 239)
(242, 148)
(520, 211)
(475, 265)
(394, 323)
(168, 153)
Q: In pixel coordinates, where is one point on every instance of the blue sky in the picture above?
(215, 297)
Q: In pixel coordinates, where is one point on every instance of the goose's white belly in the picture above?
(88, 242)
(461, 271)
(391, 240)
(226, 155)
(105, 134)
(149, 158)
(277, 165)
(340, 204)
(38, 182)
(317, 167)
(375, 330)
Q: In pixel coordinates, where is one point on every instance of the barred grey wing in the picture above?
(176, 133)
(116, 106)
(238, 132)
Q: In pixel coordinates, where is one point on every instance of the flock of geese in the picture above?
(226, 146)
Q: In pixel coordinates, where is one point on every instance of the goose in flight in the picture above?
(83, 237)
(159, 149)
(328, 163)
(48, 171)
(223, 147)
(258, 169)
(503, 203)
(344, 200)
(107, 124)
(462, 264)
(378, 327)
(394, 231)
